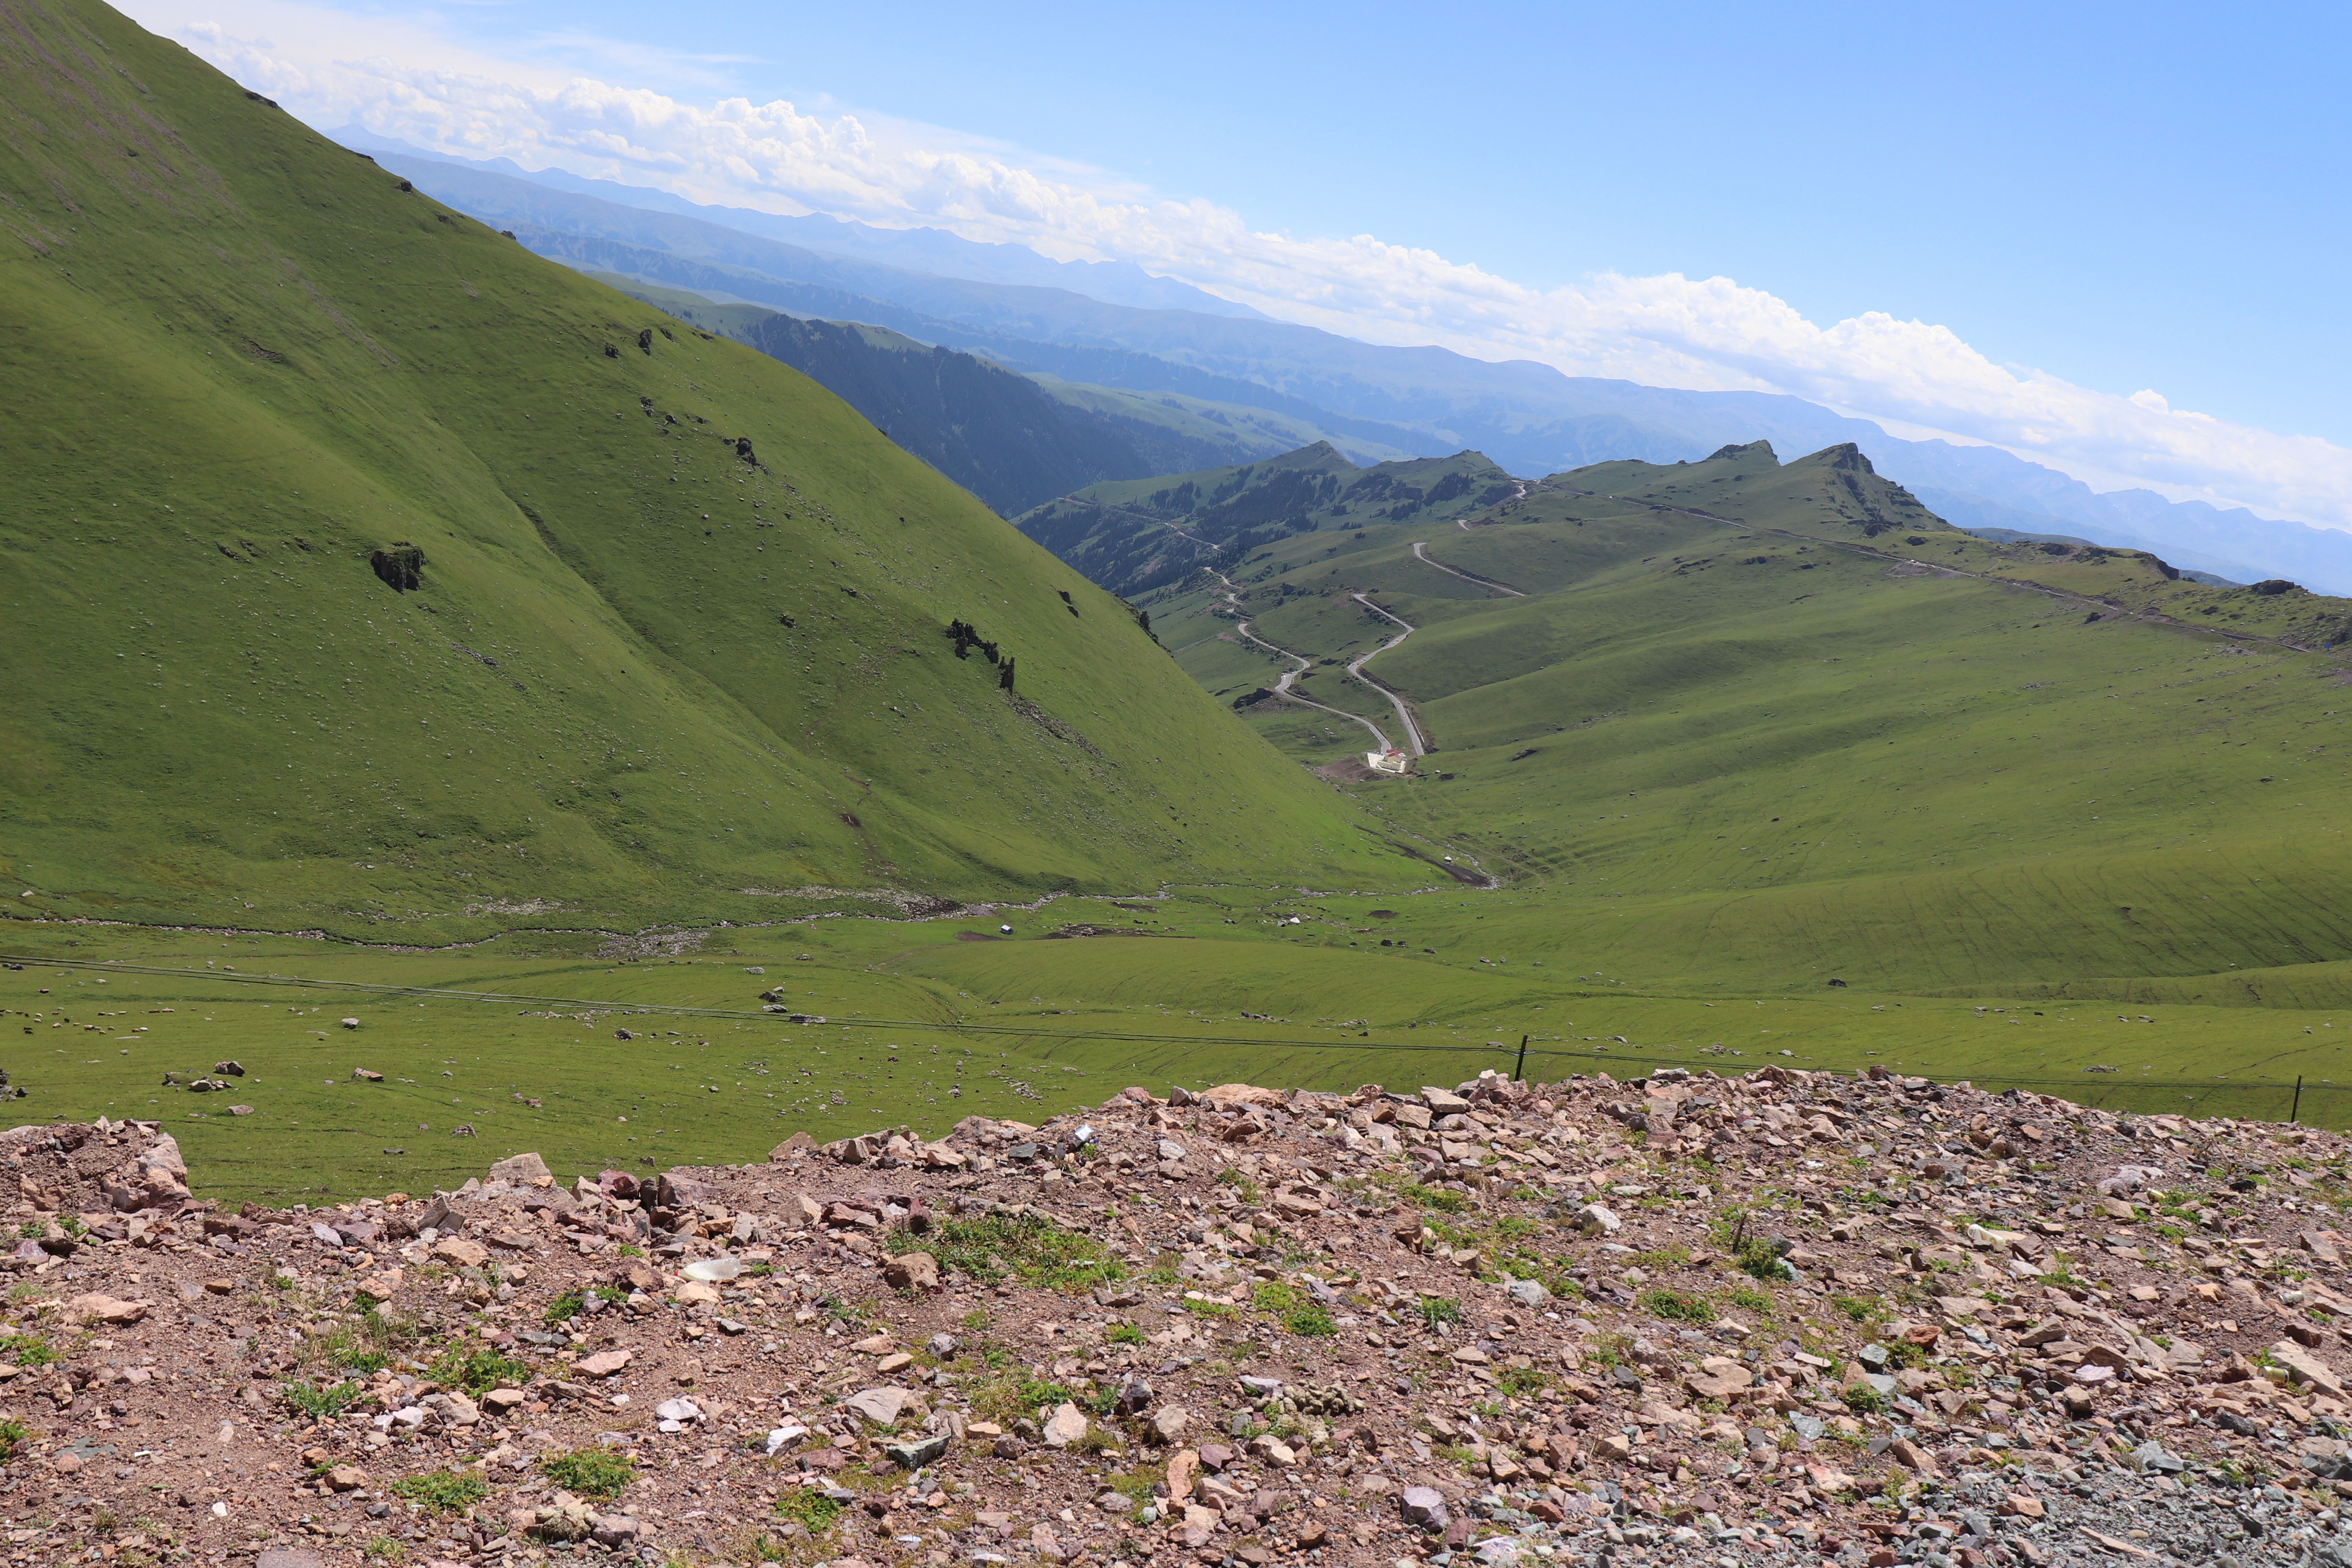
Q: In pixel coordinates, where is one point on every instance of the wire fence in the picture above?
(2307, 1102)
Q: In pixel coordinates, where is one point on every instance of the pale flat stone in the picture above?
(522, 1171)
(98, 1308)
(880, 1407)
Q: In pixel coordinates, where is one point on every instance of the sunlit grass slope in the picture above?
(1816, 735)
(677, 650)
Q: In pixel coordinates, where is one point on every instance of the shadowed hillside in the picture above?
(1135, 536)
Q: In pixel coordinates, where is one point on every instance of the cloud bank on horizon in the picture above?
(1709, 334)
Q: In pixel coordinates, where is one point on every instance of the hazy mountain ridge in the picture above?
(1004, 437)
(928, 250)
(1529, 417)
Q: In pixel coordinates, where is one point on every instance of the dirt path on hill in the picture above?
(1414, 738)
(1303, 664)
(1427, 560)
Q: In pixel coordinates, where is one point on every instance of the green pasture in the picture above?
(925, 1024)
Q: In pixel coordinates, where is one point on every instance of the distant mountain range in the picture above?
(927, 250)
(1010, 440)
(1113, 327)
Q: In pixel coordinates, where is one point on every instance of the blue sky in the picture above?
(2119, 198)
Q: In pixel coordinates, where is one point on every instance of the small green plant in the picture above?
(1677, 1307)
(442, 1491)
(478, 1371)
(1748, 1299)
(13, 1435)
(385, 1549)
(1201, 1308)
(1859, 1309)
(1274, 1296)
(808, 1507)
(565, 1308)
(1124, 1334)
(1035, 1251)
(1437, 1310)
(27, 1350)
(1751, 1254)
(1862, 1399)
(1011, 1394)
(1521, 1381)
(320, 1404)
(1445, 1200)
(1240, 1183)
(1311, 1321)
(1663, 1258)
(597, 1474)
(849, 1314)
(1136, 1485)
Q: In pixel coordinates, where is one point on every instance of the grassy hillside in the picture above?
(1134, 536)
(1751, 725)
(365, 572)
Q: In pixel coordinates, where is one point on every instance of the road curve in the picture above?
(1302, 664)
(1414, 740)
(1427, 560)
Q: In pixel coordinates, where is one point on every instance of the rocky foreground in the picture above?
(1681, 1319)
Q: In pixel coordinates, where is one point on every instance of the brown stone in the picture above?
(912, 1272)
(97, 1309)
(1912, 1458)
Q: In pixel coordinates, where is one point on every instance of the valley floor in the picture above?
(647, 1052)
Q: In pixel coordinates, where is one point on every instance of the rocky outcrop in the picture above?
(1675, 1318)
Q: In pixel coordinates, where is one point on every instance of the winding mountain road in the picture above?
(1414, 740)
(1426, 558)
(1301, 665)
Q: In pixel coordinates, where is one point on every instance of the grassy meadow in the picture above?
(929, 1021)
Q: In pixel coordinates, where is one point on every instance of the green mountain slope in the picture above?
(364, 572)
(1010, 439)
(1134, 536)
(1736, 731)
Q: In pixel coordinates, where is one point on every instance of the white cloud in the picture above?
(406, 80)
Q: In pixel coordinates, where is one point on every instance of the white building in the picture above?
(1389, 761)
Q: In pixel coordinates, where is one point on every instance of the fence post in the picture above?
(2294, 1113)
(1519, 1073)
